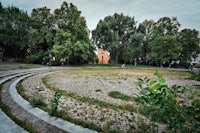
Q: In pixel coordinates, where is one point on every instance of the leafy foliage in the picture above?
(54, 102)
(37, 102)
(113, 33)
(168, 105)
(189, 40)
(160, 53)
(14, 27)
(195, 75)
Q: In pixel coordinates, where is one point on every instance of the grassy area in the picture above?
(91, 101)
(5, 66)
(118, 65)
(119, 95)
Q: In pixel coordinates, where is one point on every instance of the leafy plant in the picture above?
(54, 102)
(37, 102)
(167, 104)
(194, 75)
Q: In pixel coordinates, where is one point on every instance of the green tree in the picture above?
(164, 46)
(164, 49)
(146, 28)
(41, 34)
(113, 34)
(189, 40)
(69, 19)
(14, 27)
(63, 45)
(166, 26)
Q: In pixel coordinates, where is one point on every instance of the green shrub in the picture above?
(195, 75)
(37, 102)
(167, 105)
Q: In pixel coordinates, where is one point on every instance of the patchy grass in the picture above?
(61, 114)
(119, 95)
(21, 123)
(92, 101)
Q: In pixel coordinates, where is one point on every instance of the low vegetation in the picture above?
(22, 123)
(169, 106)
(155, 111)
(119, 95)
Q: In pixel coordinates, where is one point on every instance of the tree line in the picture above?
(149, 42)
(62, 36)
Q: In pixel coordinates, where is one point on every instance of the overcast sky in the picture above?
(187, 11)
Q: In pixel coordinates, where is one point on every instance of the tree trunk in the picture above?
(161, 65)
(116, 57)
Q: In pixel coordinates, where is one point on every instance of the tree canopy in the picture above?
(113, 33)
(63, 35)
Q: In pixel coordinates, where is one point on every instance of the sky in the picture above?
(186, 11)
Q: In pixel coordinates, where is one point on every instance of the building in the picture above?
(195, 60)
(103, 56)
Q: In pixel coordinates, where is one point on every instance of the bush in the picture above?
(195, 75)
(167, 105)
(37, 102)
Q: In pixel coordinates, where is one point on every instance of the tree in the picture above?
(41, 34)
(69, 19)
(146, 29)
(113, 34)
(63, 45)
(164, 43)
(166, 26)
(14, 27)
(164, 49)
(189, 40)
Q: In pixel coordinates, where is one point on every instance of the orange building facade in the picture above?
(103, 56)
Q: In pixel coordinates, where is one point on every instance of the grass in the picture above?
(91, 101)
(119, 95)
(194, 76)
(60, 114)
(21, 123)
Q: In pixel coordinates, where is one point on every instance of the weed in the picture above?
(119, 95)
(54, 102)
(98, 90)
(37, 102)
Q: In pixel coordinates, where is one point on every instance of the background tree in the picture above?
(69, 19)
(164, 46)
(14, 27)
(189, 40)
(166, 26)
(41, 34)
(146, 29)
(62, 48)
(113, 34)
(164, 49)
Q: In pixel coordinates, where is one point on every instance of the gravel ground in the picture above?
(20, 113)
(97, 85)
